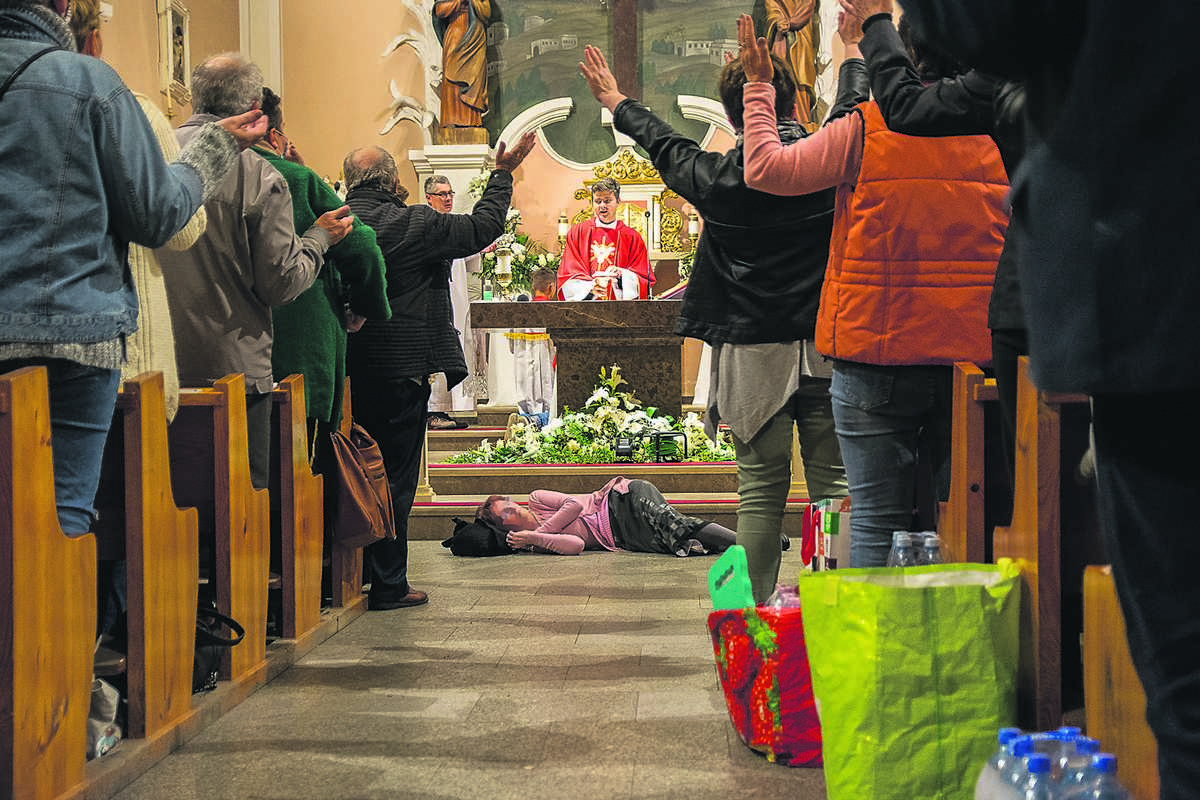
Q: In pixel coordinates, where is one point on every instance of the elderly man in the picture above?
(604, 258)
(390, 362)
(249, 259)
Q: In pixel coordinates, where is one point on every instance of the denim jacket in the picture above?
(81, 176)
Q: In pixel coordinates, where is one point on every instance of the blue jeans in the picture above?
(82, 400)
(885, 417)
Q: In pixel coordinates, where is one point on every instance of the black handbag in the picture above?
(210, 645)
(478, 538)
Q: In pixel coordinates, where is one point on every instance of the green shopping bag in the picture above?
(914, 670)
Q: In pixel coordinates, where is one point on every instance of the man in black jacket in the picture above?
(390, 361)
(753, 296)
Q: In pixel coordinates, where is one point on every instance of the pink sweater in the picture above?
(568, 524)
(830, 157)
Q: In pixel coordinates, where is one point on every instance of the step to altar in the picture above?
(444, 444)
(521, 479)
(435, 520)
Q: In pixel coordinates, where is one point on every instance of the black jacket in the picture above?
(418, 244)
(967, 105)
(761, 258)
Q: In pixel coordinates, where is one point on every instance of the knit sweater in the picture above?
(310, 333)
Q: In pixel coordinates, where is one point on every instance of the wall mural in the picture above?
(534, 47)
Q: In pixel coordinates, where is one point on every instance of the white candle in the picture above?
(563, 227)
(693, 224)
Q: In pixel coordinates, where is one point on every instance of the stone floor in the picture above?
(525, 677)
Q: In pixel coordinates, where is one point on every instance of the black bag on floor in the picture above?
(478, 538)
(211, 644)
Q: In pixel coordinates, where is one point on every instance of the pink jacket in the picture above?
(568, 524)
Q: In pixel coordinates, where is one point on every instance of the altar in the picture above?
(636, 335)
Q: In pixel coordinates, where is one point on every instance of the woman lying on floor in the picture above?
(620, 515)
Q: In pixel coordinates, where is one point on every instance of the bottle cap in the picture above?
(1038, 763)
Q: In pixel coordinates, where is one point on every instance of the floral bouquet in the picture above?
(589, 436)
(526, 255)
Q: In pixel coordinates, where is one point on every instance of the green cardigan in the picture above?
(309, 335)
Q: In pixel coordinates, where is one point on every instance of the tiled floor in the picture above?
(525, 677)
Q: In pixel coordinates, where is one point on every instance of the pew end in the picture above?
(48, 611)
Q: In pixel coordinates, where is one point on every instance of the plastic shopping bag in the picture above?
(913, 672)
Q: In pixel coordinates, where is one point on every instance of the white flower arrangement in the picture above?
(589, 436)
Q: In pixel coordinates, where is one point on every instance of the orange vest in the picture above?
(914, 249)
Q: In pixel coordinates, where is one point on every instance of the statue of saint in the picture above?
(461, 28)
(793, 35)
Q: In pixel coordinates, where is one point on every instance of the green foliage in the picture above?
(589, 436)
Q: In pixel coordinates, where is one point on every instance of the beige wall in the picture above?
(335, 80)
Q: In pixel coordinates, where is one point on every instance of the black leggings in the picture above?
(644, 522)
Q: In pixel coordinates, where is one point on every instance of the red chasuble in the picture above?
(590, 248)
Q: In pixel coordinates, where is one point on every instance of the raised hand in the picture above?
(248, 129)
(600, 78)
(849, 28)
(509, 160)
(867, 8)
(756, 57)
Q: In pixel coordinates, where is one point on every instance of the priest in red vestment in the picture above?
(604, 258)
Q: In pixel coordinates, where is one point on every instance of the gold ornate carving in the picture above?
(627, 167)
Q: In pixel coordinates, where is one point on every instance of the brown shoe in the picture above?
(413, 598)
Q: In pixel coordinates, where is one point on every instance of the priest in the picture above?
(604, 259)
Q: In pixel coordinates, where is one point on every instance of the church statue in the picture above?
(461, 27)
(794, 36)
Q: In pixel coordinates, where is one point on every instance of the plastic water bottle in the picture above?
(1076, 769)
(903, 553)
(931, 548)
(1104, 784)
(487, 289)
(991, 785)
(1038, 784)
(1020, 748)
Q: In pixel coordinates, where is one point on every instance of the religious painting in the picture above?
(535, 46)
(534, 50)
(175, 50)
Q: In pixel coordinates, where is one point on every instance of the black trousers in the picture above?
(393, 411)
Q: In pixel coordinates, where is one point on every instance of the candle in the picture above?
(693, 224)
(563, 227)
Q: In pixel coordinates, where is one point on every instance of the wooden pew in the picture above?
(210, 470)
(961, 519)
(47, 606)
(1033, 540)
(301, 511)
(1115, 701)
(162, 567)
(345, 563)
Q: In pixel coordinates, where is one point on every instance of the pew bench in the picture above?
(210, 470)
(47, 606)
(298, 512)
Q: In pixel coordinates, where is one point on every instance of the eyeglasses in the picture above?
(443, 195)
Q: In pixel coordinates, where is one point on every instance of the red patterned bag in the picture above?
(762, 664)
